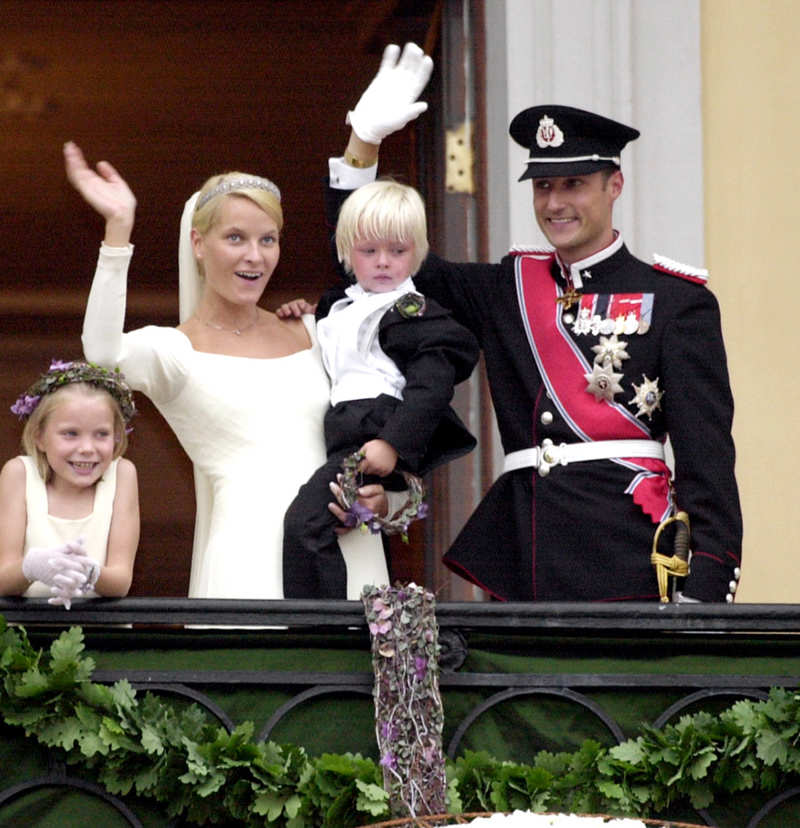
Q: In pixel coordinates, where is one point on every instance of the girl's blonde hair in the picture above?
(35, 424)
(384, 210)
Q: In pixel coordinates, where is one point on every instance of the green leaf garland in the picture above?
(138, 744)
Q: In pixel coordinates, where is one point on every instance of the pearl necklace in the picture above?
(237, 331)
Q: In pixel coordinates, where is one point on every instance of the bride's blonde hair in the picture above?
(261, 191)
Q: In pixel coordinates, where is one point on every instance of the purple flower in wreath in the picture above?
(349, 519)
(420, 667)
(430, 753)
(59, 365)
(24, 405)
(388, 731)
(422, 511)
(358, 514)
(380, 627)
(374, 525)
(388, 760)
(383, 609)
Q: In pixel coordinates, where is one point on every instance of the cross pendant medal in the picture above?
(568, 299)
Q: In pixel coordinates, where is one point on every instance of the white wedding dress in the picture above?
(252, 428)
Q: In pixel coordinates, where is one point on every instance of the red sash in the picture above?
(562, 367)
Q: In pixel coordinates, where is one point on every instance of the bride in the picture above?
(243, 390)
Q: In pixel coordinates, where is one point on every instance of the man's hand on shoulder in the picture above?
(294, 309)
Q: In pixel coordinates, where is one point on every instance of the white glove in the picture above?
(390, 101)
(65, 569)
(74, 584)
(680, 598)
(42, 564)
(67, 586)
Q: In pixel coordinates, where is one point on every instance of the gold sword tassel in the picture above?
(676, 564)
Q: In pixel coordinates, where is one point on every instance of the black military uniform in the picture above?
(607, 349)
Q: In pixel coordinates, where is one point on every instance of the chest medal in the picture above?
(647, 398)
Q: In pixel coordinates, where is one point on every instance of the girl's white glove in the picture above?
(65, 569)
(43, 564)
(69, 587)
(390, 101)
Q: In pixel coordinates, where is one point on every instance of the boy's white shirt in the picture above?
(348, 338)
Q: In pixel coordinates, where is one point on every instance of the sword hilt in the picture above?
(677, 564)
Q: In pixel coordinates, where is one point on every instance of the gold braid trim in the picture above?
(666, 566)
(676, 564)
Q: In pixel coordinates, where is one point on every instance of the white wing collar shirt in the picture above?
(348, 336)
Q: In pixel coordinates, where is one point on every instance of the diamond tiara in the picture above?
(231, 185)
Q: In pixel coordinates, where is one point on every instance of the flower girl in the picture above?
(69, 507)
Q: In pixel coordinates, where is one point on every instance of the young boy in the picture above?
(393, 358)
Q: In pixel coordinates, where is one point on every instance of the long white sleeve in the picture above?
(105, 310)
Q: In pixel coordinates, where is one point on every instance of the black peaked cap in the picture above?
(562, 140)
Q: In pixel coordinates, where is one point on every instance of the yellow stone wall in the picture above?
(751, 119)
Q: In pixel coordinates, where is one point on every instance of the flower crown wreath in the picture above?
(61, 374)
(415, 507)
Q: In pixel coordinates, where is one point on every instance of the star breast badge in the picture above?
(603, 382)
(610, 349)
(647, 397)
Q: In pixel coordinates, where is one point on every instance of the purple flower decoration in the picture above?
(24, 405)
(422, 510)
(349, 520)
(430, 754)
(380, 628)
(420, 667)
(406, 695)
(62, 373)
(359, 514)
(388, 731)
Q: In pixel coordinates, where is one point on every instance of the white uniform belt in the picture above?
(550, 454)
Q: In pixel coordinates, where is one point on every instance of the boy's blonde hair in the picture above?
(384, 210)
(37, 421)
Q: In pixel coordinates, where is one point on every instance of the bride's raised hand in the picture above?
(104, 189)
